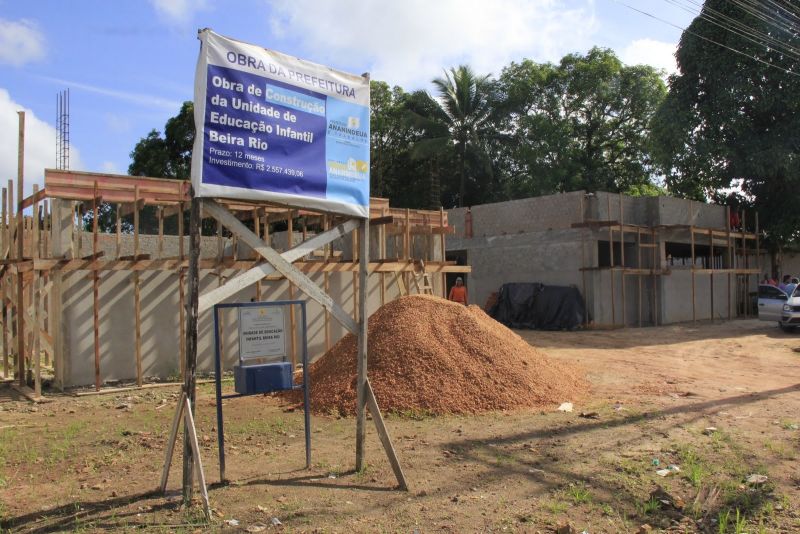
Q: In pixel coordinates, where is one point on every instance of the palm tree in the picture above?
(456, 119)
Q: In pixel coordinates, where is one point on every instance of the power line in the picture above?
(740, 29)
(690, 32)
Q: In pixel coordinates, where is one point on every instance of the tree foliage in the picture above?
(732, 120)
(581, 124)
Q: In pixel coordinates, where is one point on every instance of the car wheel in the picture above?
(787, 328)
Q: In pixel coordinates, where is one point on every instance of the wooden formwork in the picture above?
(32, 266)
(740, 244)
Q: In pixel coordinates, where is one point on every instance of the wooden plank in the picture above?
(361, 378)
(611, 261)
(20, 240)
(622, 260)
(383, 434)
(137, 305)
(36, 297)
(95, 294)
(190, 381)
(694, 296)
(181, 297)
(304, 283)
(711, 265)
(173, 434)
(292, 319)
(6, 247)
(246, 279)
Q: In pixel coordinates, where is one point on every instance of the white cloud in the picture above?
(658, 54)
(140, 99)
(40, 145)
(110, 167)
(178, 12)
(409, 43)
(117, 123)
(21, 42)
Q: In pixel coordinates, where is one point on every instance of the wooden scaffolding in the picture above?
(740, 262)
(35, 261)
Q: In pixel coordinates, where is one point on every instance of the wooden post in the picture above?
(443, 250)
(118, 237)
(190, 381)
(95, 292)
(694, 304)
(257, 227)
(181, 294)
(622, 260)
(361, 380)
(639, 265)
(37, 297)
(292, 320)
(711, 274)
(326, 284)
(137, 307)
(611, 261)
(582, 230)
(655, 276)
(730, 257)
(20, 232)
(746, 263)
(3, 280)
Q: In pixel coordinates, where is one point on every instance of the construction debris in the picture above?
(431, 356)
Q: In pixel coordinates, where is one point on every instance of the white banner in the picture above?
(278, 128)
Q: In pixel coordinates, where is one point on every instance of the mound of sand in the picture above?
(429, 355)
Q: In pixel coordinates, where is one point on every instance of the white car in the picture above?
(775, 305)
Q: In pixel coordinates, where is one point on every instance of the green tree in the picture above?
(581, 124)
(732, 116)
(456, 124)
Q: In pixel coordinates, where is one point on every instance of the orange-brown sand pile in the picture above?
(429, 355)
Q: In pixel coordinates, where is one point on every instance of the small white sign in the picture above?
(262, 332)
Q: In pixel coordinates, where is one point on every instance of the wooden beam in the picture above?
(190, 380)
(361, 379)
(95, 294)
(20, 240)
(383, 434)
(246, 279)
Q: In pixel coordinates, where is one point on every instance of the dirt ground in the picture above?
(91, 463)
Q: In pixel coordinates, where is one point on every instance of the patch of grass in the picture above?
(414, 414)
(579, 494)
(723, 518)
(692, 466)
(607, 509)
(557, 507)
(779, 449)
(648, 507)
(788, 425)
(740, 523)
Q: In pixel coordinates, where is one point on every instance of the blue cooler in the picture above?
(250, 379)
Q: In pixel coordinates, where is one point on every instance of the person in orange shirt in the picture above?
(458, 293)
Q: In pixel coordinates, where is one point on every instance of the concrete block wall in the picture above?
(549, 256)
(551, 212)
(160, 315)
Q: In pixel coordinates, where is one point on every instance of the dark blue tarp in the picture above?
(537, 306)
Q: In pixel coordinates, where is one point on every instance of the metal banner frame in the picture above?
(218, 375)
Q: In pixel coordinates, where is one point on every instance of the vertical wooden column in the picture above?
(354, 239)
(746, 263)
(292, 319)
(758, 247)
(582, 230)
(181, 293)
(622, 260)
(190, 381)
(361, 380)
(36, 297)
(11, 281)
(656, 269)
(136, 291)
(326, 224)
(4, 282)
(694, 298)
(639, 266)
(382, 252)
(20, 232)
(730, 257)
(711, 274)
(611, 261)
(257, 227)
(443, 250)
(95, 290)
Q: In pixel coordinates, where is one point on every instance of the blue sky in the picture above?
(129, 64)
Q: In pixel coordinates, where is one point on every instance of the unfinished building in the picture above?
(93, 308)
(636, 260)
